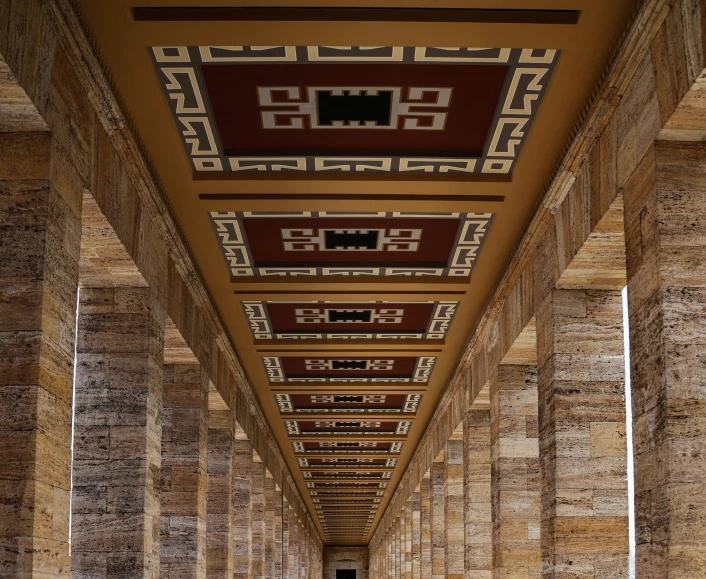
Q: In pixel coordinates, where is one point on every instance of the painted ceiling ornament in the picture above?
(319, 243)
(330, 320)
(412, 109)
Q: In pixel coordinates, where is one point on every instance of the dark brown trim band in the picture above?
(352, 14)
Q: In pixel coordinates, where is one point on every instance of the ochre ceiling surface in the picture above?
(351, 191)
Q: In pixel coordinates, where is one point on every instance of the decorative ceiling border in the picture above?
(180, 77)
(409, 406)
(339, 447)
(276, 375)
(292, 427)
(232, 238)
(261, 326)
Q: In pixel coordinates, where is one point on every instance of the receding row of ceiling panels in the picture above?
(351, 207)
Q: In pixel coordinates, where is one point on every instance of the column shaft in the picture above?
(438, 525)
(219, 551)
(584, 524)
(425, 516)
(665, 208)
(183, 475)
(269, 526)
(258, 520)
(242, 508)
(454, 506)
(416, 535)
(515, 464)
(278, 534)
(40, 236)
(118, 432)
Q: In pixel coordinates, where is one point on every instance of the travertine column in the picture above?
(270, 508)
(477, 490)
(438, 525)
(294, 539)
(396, 548)
(454, 504)
(584, 524)
(515, 463)
(416, 534)
(242, 506)
(408, 539)
(425, 516)
(118, 432)
(258, 519)
(220, 519)
(183, 476)
(286, 514)
(665, 208)
(40, 234)
(278, 527)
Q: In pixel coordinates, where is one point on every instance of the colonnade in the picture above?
(131, 443)
(539, 485)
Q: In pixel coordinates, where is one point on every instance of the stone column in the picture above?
(242, 506)
(454, 506)
(294, 540)
(258, 519)
(278, 533)
(665, 206)
(425, 516)
(515, 470)
(40, 236)
(584, 524)
(438, 524)
(118, 432)
(270, 507)
(220, 519)
(183, 475)
(477, 490)
(396, 549)
(286, 514)
(408, 538)
(416, 534)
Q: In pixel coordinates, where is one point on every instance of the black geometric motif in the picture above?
(350, 240)
(348, 364)
(349, 315)
(360, 108)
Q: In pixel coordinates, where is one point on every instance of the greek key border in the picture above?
(229, 230)
(276, 375)
(179, 72)
(409, 406)
(438, 325)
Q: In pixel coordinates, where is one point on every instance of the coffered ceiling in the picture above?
(351, 183)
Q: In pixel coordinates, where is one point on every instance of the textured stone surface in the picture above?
(665, 206)
(581, 391)
(219, 521)
(117, 437)
(438, 519)
(515, 472)
(39, 249)
(454, 502)
(242, 506)
(258, 519)
(183, 475)
(425, 515)
(477, 488)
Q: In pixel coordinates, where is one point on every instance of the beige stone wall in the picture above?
(345, 558)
